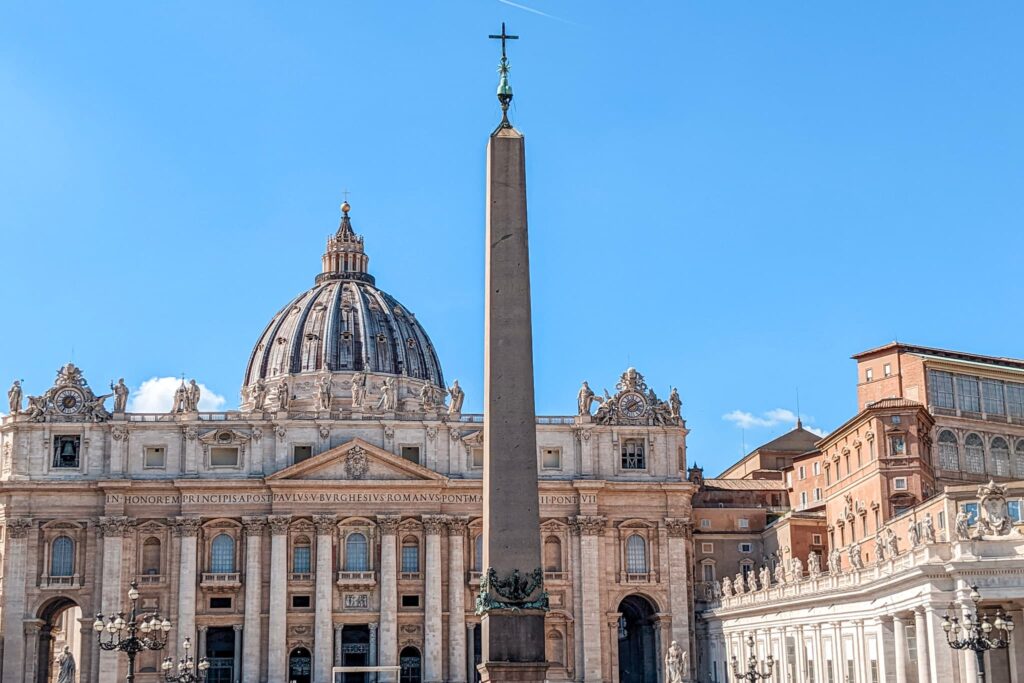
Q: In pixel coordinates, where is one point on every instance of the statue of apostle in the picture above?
(66, 666)
(14, 398)
(120, 395)
(585, 399)
(458, 396)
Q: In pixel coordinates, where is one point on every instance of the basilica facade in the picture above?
(334, 519)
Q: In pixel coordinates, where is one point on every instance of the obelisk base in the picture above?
(520, 636)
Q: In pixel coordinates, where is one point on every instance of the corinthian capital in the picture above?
(587, 525)
(677, 527)
(115, 526)
(324, 523)
(434, 524)
(254, 526)
(18, 527)
(186, 526)
(388, 524)
(457, 525)
(279, 524)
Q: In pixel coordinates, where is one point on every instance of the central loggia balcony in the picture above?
(362, 579)
(221, 580)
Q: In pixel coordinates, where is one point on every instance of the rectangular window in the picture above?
(1015, 400)
(409, 601)
(301, 560)
(992, 394)
(66, 450)
(705, 524)
(743, 523)
(940, 389)
(817, 493)
(411, 453)
(220, 603)
(410, 558)
(746, 547)
(869, 375)
(942, 520)
(972, 513)
(815, 539)
(633, 455)
(897, 445)
(154, 457)
(968, 393)
(224, 456)
(900, 483)
(803, 498)
(707, 547)
(896, 419)
(708, 572)
(477, 457)
(300, 453)
(817, 468)
(887, 369)
(803, 472)
(301, 602)
(551, 458)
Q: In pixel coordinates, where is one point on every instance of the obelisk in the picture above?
(512, 600)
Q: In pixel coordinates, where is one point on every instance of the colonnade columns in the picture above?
(679, 586)
(941, 659)
(787, 671)
(1016, 650)
(388, 525)
(819, 656)
(187, 531)
(923, 647)
(112, 598)
(456, 599)
(323, 634)
(433, 525)
(277, 624)
(252, 621)
(800, 653)
(838, 660)
(590, 529)
(14, 599)
(900, 647)
(860, 650)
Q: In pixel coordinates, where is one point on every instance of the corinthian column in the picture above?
(252, 622)
(15, 572)
(277, 655)
(186, 529)
(679, 591)
(456, 600)
(590, 529)
(113, 530)
(433, 525)
(322, 632)
(388, 525)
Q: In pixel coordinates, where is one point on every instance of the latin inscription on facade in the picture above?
(314, 498)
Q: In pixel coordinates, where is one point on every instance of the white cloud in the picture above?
(816, 430)
(770, 418)
(156, 394)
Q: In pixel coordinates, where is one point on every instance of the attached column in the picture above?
(187, 530)
(15, 572)
(253, 621)
(433, 526)
(323, 635)
(1016, 653)
(373, 649)
(277, 625)
(456, 599)
(838, 651)
(820, 676)
(237, 663)
(576, 566)
(679, 586)
(590, 529)
(338, 642)
(113, 530)
(899, 626)
(388, 525)
(923, 646)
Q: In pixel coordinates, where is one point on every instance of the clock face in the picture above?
(632, 404)
(68, 401)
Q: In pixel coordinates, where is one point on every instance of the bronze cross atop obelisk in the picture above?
(504, 89)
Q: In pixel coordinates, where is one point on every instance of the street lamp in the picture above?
(116, 634)
(979, 633)
(752, 674)
(188, 670)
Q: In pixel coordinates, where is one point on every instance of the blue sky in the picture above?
(731, 196)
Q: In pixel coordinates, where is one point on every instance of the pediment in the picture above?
(356, 460)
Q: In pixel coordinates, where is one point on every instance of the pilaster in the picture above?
(15, 573)
(590, 529)
(253, 620)
(388, 525)
(277, 624)
(456, 599)
(322, 631)
(433, 526)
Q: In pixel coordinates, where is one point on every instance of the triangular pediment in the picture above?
(356, 460)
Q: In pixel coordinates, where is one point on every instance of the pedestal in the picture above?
(520, 672)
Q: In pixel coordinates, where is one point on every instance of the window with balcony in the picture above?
(357, 556)
(151, 556)
(410, 555)
(636, 555)
(975, 451)
(62, 556)
(633, 455)
(222, 555)
(66, 451)
(302, 556)
(949, 451)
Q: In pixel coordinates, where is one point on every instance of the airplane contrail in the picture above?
(534, 11)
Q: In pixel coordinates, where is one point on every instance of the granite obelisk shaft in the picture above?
(513, 640)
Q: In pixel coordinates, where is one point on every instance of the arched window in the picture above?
(949, 453)
(410, 555)
(151, 556)
(478, 554)
(222, 555)
(974, 449)
(357, 557)
(301, 556)
(62, 557)
(1000, 451)
(636, 555)
(552, 554)
(1018, 458)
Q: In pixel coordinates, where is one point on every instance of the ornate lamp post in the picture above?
(188, 670)
(752, 674)
(116, 634)
(979, 634)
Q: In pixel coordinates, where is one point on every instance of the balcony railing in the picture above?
(638, 577)
(410, 576)
(555, 576)
(473, 578)
(221, 580)
(358, 579)
(149, 579)
(300, 576)
(74, 581)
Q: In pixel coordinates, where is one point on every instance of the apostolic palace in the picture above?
(331, 528)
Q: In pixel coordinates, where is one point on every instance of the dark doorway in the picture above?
(220, 652)
(355, 650)
(477, 649)
(409, 659)
(638, 658)
(60, 629)
(300, 666)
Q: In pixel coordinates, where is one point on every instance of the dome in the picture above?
(344, 324)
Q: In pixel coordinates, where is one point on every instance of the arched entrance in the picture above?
(60, 629)
(300, 666)
(638, 650)
(409, 659)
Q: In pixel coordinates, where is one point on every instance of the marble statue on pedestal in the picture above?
(358, 390)
(259, 394)
(929, 530)
(324, 391)
(387, 395)
(675, 664)
(457, 396)
(675, 403)
(914, 535)
(120, 395)
(67, 667)
(14, 398)
(584, 399)
(963, 526)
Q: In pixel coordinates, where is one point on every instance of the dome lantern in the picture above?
(344, 258)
